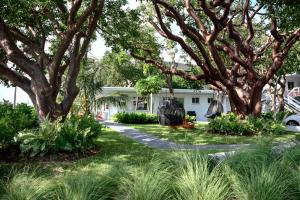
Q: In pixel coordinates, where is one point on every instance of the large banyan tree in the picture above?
(237, 46)
(41, 46)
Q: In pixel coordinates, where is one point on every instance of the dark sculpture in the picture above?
(170, 112)
(215, 109)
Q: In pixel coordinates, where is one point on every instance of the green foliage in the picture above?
(135, 118)
(260, 173)
(248, 174)
(180, 83)
(87, 185)
(252, 173)
(151, 84)
(26, 185)
(72, 135)
(89, 84)
(151, 182)
(196, 180)
(119, 69)
(190, 118)
(286, 12)
(115, 99)
(231, 124)
(13, 120)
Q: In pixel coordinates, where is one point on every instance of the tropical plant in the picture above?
(231, 124)
(89, 84)
(115, 99)
(76, 134)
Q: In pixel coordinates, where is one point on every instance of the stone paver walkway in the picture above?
(158, 143)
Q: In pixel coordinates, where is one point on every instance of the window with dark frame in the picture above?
(209, 100)
(142, 103)
(195, 100)
(291, 85)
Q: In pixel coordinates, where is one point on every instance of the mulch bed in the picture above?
(12, 154)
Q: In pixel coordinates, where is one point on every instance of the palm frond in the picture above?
(115, 99)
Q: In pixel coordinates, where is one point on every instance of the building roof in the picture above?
(162, 91)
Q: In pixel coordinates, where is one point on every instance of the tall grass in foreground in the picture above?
(150, 182)
(255, 174)
(196, 181)
(26, 185)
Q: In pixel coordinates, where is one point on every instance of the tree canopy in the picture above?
(237, 46)
(41, 46)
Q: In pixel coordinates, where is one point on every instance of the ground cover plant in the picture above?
(135, 118)
(128, 170)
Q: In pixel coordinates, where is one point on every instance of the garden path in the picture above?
(158, 143)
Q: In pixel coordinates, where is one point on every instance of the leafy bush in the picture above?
(231, 124)
(135, 118)
(72, 135)
(13, 120)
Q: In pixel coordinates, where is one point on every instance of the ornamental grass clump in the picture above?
(259, 173)
(195, 179)
(148, 182)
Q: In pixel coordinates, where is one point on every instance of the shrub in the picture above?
(135, 118)
(72, 135)
(13, 120)
(231, 124)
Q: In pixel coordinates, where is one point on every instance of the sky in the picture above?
(98, 49)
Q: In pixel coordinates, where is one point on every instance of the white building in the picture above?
(193, 100)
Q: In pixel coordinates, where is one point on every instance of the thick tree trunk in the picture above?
(246, 102)
(45, 102)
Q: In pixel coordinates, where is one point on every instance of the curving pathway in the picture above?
(158, 143)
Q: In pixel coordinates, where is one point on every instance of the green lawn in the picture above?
(200, 136)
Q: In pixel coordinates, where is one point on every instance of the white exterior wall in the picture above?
(187, 95)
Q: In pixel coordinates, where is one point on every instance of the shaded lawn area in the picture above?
(200, 136)
(117, 152)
